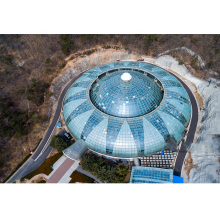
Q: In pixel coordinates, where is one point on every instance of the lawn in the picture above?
(45, 166)
(78, 177)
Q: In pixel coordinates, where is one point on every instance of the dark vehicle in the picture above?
(67, 136)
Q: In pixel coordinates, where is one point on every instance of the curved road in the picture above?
(192, 129)
(191, 132)
(38, 158)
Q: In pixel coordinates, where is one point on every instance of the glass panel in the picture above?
(79, 95)
(114, 126)
(155, 119)
(136, 126)
(151, 175)
(113, 96)
(171, 110)
(92, 122)
(86, 106)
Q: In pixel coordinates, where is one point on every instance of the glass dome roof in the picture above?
(127, 137)
(126, 98)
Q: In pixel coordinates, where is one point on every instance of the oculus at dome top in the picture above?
(127, 109)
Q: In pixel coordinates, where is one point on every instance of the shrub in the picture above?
(64, 37)
(181, 62)
(194, 40)
(195, 62)
(217, 51)
(46, 85)
(210, 64)
(21, 91)
(36, 100)
(7, 59)
(88, 52)
(62, 65)
(59, 143)
(107, 47)
(33, 80)
(6, 72)
(48, 70)
(48, 61)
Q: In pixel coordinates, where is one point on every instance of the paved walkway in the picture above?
(61, 171)
(66, 177)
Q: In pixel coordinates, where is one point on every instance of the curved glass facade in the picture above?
(142, 129)
(115, 97)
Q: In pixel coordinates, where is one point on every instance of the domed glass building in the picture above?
(127, 109)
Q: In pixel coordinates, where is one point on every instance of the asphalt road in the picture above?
(55, 117)
(31, 164)
(191, 133)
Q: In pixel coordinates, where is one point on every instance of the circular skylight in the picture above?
(135, 95)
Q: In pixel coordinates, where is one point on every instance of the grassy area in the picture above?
(45, 166)
(78, 177)
(22, 162)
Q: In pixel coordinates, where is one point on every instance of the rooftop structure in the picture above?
(130, 118)
(135, 95)
(151, 175)
(126, 77)
(76, 151)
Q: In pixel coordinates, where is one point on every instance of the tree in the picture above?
(68, 44)
(103, 171)
(101, 174)
(101, 161)
(48, 61)
(149, 40)
(87, 162)
(95, 168)
(122, 170)
(59, 143)
(118, 179)
(111, 174)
